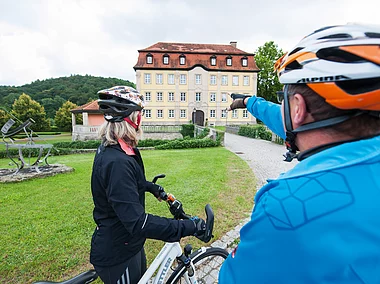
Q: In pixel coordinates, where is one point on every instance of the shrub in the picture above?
(255, 131)
(187, 130)
(188, 143)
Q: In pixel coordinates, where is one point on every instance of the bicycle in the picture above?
(172, 265)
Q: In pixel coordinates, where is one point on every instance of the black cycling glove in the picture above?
(154, 188)
(238, 101)
(200, 228)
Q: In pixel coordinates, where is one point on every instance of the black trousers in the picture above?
(128, 272)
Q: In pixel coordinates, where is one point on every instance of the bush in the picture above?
(255, 131)
(187, 130)
(89, 144)
(188, 143)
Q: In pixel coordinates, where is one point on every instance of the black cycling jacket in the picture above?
(118, 189)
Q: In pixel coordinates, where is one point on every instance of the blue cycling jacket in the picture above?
(317, 223)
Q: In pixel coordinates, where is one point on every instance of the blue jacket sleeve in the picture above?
(267, 112)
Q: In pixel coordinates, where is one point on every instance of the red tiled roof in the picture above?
(91, 107)
(196, 55)
(194, 48)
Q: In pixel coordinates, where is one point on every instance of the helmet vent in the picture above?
(337, 36)
(293, 65)
(357, 87)
(295, 50)
(338, 55)
(373, 35)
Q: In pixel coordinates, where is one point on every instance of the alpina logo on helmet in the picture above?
(323, 79)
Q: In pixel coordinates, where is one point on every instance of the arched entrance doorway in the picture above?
(198, 117)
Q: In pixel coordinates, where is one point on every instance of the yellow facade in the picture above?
(181, 96)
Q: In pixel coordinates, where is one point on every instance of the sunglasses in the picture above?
(280, 96)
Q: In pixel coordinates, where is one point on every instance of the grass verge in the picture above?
(47, 223)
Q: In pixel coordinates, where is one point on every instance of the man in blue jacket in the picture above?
(320, 221)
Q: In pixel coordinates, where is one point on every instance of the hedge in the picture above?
(188, 143)
(255, 131)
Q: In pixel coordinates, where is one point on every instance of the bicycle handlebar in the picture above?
(175, 204)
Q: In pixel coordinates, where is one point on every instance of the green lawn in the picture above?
(47, 223)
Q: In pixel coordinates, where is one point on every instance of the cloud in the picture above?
(51, 38)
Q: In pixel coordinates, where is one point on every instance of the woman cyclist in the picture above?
(118, 187)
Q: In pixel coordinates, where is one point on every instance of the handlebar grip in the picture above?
(209, 223)
(157, 177)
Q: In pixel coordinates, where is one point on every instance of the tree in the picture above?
(267, 80)
(63, 116)
(24, 107)
(4, 117)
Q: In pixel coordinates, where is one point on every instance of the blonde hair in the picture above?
(111, 132)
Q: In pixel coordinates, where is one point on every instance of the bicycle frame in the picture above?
(163, 261)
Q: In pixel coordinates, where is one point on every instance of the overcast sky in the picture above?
(42, 39)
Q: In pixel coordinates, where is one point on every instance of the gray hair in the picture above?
(111, 132)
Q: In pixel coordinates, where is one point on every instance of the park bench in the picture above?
(29, 144)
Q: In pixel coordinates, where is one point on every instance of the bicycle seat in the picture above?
(85, 277)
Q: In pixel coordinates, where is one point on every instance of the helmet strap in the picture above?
(134, 125)
(290, 140)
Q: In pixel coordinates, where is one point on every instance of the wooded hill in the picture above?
(52, 93)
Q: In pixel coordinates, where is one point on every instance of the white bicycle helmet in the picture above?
(340, 63)
(119, 102)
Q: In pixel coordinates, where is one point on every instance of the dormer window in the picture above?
(149, 58)
(166, 59)
(213, 60)
(182, 59)
(229, 61)
(244, 61)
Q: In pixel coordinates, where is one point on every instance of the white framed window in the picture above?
(159, 79)
(171, 113)
(166, 59)
(149, 59)
(198, 97)
(171, 79)
(182, 79)
(213, 80)
(148, 97)
(159, 113)
(244, 62)
(212, 97)
(183, 97)
(246, 80)
(198, 79)
(212, 113)
(182, 60)
(213, 60)
(224, 97)
(245, 113)
(147, 78)
(182, 113)
(235, 80)
(224, 113)
(147, 113)
(159, 96)
(234, 113)
(224, 80)
(171, 97)
(229, 61)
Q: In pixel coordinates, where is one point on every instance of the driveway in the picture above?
(263, 157)
(266, 161)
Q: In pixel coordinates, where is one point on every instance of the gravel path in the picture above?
(266, 161)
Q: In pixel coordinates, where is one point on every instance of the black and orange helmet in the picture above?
(340, 63)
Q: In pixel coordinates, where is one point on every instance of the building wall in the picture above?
(95, 119)
(191, 88)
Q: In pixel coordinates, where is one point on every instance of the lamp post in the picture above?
(194, 113)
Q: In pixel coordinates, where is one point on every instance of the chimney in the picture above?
(233, 43)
